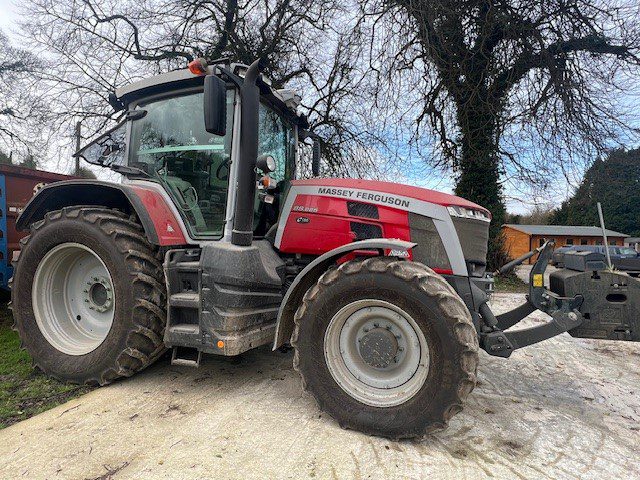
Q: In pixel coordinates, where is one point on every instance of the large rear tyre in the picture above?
(89, 296)
(386, 347)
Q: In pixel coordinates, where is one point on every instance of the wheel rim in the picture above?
(376, 352)
(73, 299)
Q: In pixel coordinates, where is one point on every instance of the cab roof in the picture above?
(180, 79)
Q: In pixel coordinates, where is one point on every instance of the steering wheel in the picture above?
(224, 164)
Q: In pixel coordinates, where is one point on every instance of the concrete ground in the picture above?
(566, 408)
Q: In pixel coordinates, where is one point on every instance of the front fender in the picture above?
(310, 274)
(160, 224)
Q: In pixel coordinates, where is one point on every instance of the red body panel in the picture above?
(167, 226)
(320, 215)
(328, 225)
(418, 193)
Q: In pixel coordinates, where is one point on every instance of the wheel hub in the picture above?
(98, 294)
(378, 348)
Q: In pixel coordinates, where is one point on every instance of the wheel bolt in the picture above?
(401, 349)
(376, 325)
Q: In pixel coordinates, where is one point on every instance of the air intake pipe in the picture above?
(242, 232)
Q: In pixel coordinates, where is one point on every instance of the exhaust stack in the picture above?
(242, 232)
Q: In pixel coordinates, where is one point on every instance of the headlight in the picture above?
(266, 163)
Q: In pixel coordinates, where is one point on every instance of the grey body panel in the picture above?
(310, 274)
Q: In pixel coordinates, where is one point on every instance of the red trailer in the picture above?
(17, 186)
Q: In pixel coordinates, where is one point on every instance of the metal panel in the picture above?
(563, 230)
(474, 240)
(20, 185)
(5, 260)
(430, 248)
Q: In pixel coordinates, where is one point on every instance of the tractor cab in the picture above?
(185, 134)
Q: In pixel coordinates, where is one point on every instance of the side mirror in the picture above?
(315, 159)
(215, 105)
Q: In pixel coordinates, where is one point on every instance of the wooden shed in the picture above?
(520, 239)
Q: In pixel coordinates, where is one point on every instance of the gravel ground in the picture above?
(566, 408)
(523, 271)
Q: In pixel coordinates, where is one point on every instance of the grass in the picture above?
(24, 391)
(510, 283)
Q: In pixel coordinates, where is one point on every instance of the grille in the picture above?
(429, 249)
(364, 231)
(359, 209)
(474, 238)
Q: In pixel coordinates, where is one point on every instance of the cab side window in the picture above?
(275, 138)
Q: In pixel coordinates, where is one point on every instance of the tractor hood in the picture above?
(347, 187)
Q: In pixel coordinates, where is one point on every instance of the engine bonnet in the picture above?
(419, 193)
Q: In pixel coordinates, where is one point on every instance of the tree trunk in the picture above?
(478, 168)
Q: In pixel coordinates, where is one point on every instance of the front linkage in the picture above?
(564, 312)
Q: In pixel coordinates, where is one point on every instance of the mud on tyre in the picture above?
(386, 347)
(89, 296)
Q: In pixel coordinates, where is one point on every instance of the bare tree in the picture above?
(98, 45)
(514, 90)
(21, 112)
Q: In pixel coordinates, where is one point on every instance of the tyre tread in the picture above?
(144, 343)
(433, 285)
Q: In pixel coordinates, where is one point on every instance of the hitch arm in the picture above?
(563, 311)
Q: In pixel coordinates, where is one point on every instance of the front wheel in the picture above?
(386, 347)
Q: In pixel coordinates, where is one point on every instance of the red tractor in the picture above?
(210, 245)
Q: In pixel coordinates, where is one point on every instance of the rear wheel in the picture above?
(88, 296)
(386, 347)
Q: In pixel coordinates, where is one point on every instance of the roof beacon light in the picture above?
(198, 66)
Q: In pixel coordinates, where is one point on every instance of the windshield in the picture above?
(628, 251)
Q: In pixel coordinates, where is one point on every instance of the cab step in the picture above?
(186, 357)
(185, 300)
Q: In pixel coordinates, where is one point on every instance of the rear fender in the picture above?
(160, 224)
(310, 274)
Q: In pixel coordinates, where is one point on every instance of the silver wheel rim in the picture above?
(376, 353)
(73, 299)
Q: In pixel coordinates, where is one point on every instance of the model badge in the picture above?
(302, 208)
(302, 220)
(399, 253)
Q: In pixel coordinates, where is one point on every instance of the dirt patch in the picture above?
(527, 418)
